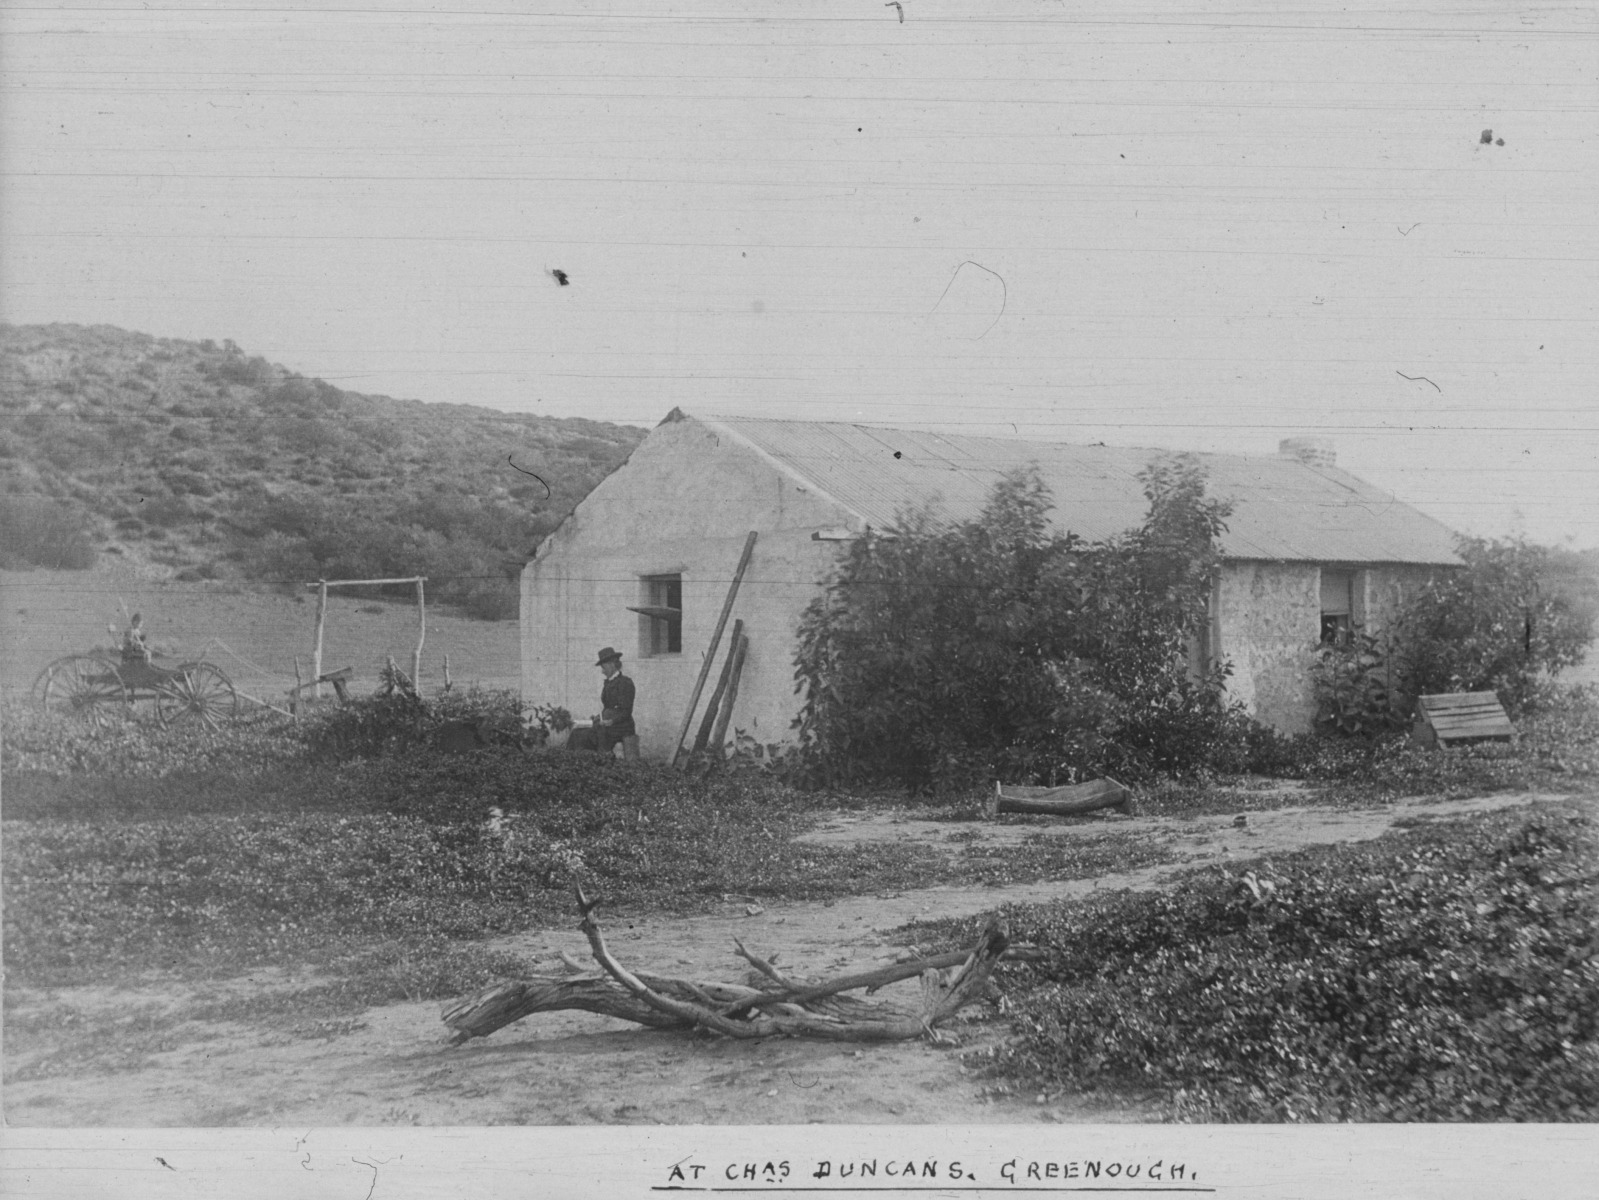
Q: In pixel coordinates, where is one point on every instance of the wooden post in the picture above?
(710, 654)
(316, 655)
(703, 738)
(719, 734)
(446, 672)
(299, 684)
(421, 636)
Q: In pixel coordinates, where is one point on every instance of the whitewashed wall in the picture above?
(682, 504)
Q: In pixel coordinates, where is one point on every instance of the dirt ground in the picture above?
(391, 1066)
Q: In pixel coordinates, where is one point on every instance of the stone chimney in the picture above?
(1312, 451)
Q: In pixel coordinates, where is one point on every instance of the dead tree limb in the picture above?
(949, 982)
(869, 980)
(764, 966)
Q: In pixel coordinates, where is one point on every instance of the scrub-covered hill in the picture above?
(201, 462)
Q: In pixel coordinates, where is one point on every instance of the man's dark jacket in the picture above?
(617, 698)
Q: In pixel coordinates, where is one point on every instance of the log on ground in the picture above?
(1068, 801)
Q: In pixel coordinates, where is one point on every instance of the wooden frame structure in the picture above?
(321, 587)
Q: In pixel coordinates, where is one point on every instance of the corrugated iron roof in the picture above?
(1283, 509)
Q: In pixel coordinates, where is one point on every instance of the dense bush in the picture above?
(1445, 974)
(1512, 619)
(35, 532)
(1355, 688)
(1502, 624)
(995, 647)
(398, 719)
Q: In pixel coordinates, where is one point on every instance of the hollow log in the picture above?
(1069, 801)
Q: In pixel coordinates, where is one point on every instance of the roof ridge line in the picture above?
(778, 464)
(986, 437)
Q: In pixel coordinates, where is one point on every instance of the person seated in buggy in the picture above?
(134, 648)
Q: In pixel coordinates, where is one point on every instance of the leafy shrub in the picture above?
(1514, 615)
(1556, 750)
(35, 532)
(1446, 974)
(996, 648)
(398, 719)
(369, 725)
(1354, 687)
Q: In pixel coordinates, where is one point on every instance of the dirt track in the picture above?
(390, 1066)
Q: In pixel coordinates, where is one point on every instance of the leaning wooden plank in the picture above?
(1459, 716)
(719, 733)
(1467, 714)
(714, 705)
(1463, 724)
(1439, 701)
(1061, 801)
(710, 653)
(1446, 718)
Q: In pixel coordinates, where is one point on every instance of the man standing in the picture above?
(616, 699)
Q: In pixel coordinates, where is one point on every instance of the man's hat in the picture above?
(606, 655)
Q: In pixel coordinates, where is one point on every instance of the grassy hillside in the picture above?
(200, 462)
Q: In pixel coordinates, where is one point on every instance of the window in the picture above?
(660, 621)
(1337, 607)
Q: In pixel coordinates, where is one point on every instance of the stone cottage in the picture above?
(644, 562)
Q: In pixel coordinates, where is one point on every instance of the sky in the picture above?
(1165, 223)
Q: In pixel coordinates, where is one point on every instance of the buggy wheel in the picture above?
(197, 692)
(82, 687)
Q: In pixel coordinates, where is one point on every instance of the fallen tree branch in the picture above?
(684, 1011)
(949, 982)
(765, 967)
(869, 980)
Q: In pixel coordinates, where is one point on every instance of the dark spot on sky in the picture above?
(1487, 137)
(897, 454)
(1499, 141)
(560, 277)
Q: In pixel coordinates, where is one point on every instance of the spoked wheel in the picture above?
(82, 687)
(197, 692)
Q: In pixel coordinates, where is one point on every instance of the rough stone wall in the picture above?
(1270, 624)
(683, 504)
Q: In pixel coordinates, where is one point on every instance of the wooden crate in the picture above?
(1459, 717)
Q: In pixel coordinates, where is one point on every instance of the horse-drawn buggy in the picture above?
(102, 685)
